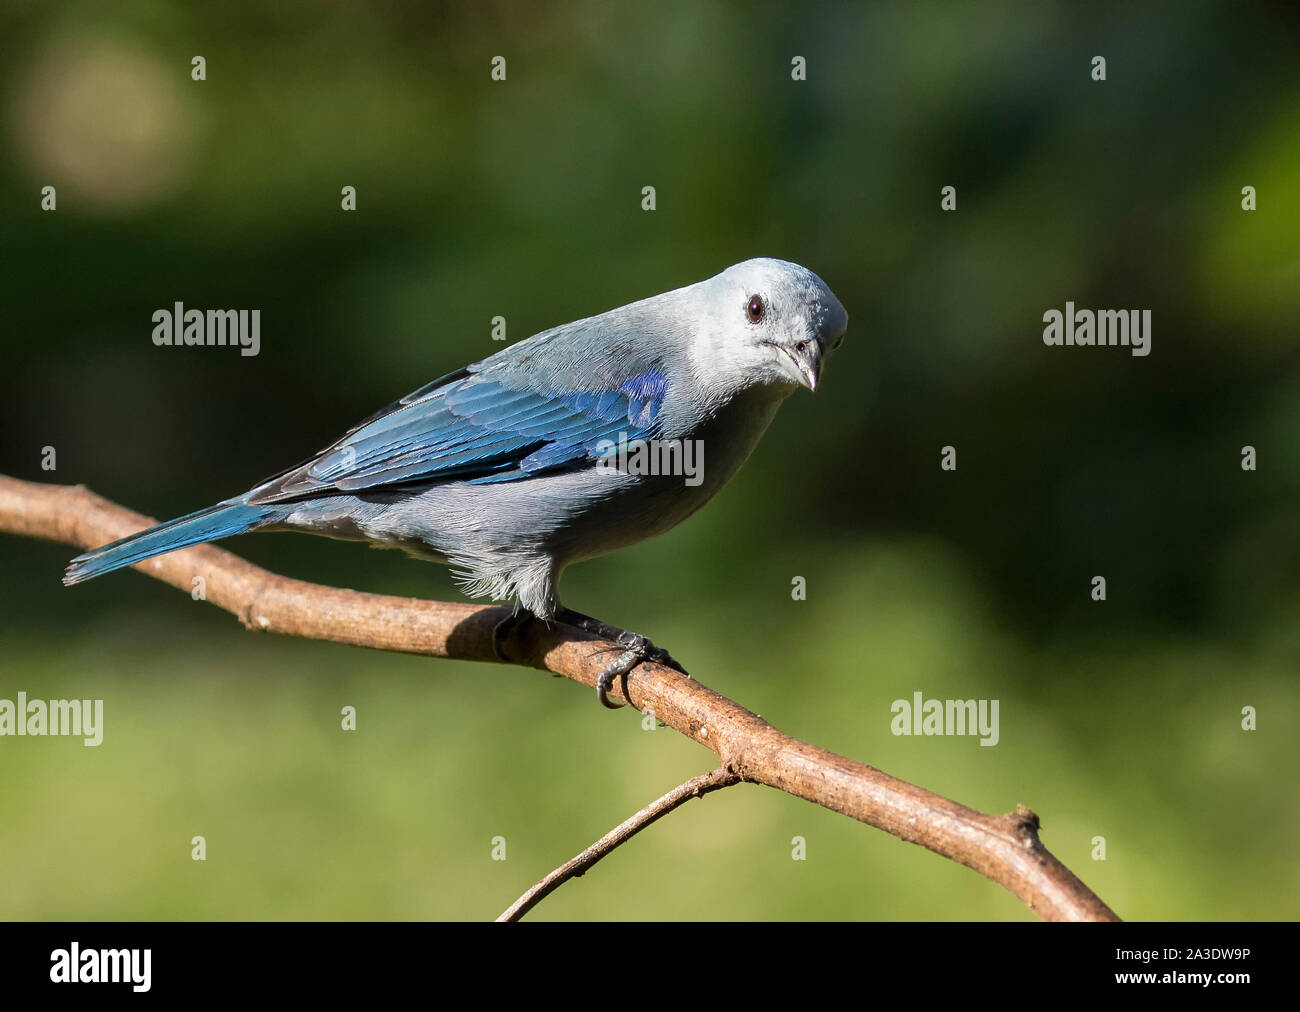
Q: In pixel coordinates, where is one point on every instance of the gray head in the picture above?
(765, 321)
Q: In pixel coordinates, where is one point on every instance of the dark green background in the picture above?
(522, 199)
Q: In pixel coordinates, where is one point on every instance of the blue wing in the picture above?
(470, 427)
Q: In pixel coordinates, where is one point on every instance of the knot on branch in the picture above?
(1022, 826)
(251, 615)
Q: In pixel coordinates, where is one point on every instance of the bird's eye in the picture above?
(756, 308)
(801, 347)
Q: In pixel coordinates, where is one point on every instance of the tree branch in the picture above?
(1004, 848)
(696, 787)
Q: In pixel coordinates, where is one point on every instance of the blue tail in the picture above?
(211, 524)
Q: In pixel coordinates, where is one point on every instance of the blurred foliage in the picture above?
(522, 199)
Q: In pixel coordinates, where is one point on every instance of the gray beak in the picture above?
(807, 362)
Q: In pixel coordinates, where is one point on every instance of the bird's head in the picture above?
(769, 322)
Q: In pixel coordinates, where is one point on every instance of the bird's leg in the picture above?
(507, 628)
(636, 649)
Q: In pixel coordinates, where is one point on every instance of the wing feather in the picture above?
(476, 428)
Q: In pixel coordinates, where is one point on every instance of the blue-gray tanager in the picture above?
(510, 469)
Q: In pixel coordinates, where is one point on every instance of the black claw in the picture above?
(506, 628)
(636, 648)
(605, 681)
(661, 656)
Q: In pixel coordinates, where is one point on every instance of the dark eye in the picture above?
(756, 308)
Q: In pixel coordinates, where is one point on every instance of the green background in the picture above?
(522, 199)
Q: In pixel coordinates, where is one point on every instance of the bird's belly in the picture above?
(651, 507)
(640, 506)
(565, 516)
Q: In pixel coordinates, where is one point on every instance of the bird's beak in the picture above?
(807, 364)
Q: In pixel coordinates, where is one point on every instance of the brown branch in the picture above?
(696, 787)
(1004, 848)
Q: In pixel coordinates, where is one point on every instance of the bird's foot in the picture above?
(636, 648)
(506, 629)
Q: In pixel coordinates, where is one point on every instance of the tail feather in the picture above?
(211, 524)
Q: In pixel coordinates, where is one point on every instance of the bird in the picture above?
(507, 470)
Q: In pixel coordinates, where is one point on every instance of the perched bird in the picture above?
(502, 469)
